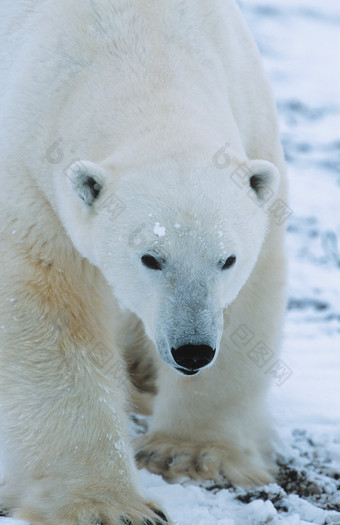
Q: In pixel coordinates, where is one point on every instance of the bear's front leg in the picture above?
(201, 433)
(67, 458)
(214, 425)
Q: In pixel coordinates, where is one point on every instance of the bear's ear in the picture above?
(264, 179)
(87, 180)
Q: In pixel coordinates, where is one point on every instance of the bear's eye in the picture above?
(229, 262)
(150, 262)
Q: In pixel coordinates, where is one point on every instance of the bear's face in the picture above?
(175, 249)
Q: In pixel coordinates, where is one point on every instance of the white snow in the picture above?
(300, 44)
(159, 230)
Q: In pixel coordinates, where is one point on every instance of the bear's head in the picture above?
(176, 241)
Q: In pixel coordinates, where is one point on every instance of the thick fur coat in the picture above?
(142, 213)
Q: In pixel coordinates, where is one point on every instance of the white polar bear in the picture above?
(165, 246)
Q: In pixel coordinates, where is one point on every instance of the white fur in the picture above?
(148, 93)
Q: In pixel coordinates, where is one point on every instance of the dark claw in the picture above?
(161, 515)
(152, 456)
(141, 455)
(168, 462)
(125, 521)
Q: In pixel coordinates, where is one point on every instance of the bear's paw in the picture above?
(137, 512)
(177, 460)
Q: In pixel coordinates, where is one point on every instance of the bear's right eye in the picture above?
(229, 262)
(151, 262)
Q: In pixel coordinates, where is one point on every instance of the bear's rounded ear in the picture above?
(264, 179)
(87, 180)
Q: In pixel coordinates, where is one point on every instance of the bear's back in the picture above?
(98, 72)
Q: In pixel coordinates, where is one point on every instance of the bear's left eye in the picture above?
(229, 262)
(151, 262)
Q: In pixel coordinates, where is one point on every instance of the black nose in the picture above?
(193, 357)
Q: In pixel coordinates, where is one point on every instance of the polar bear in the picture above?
(142, 189)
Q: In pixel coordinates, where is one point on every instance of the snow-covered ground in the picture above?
(300, 44)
